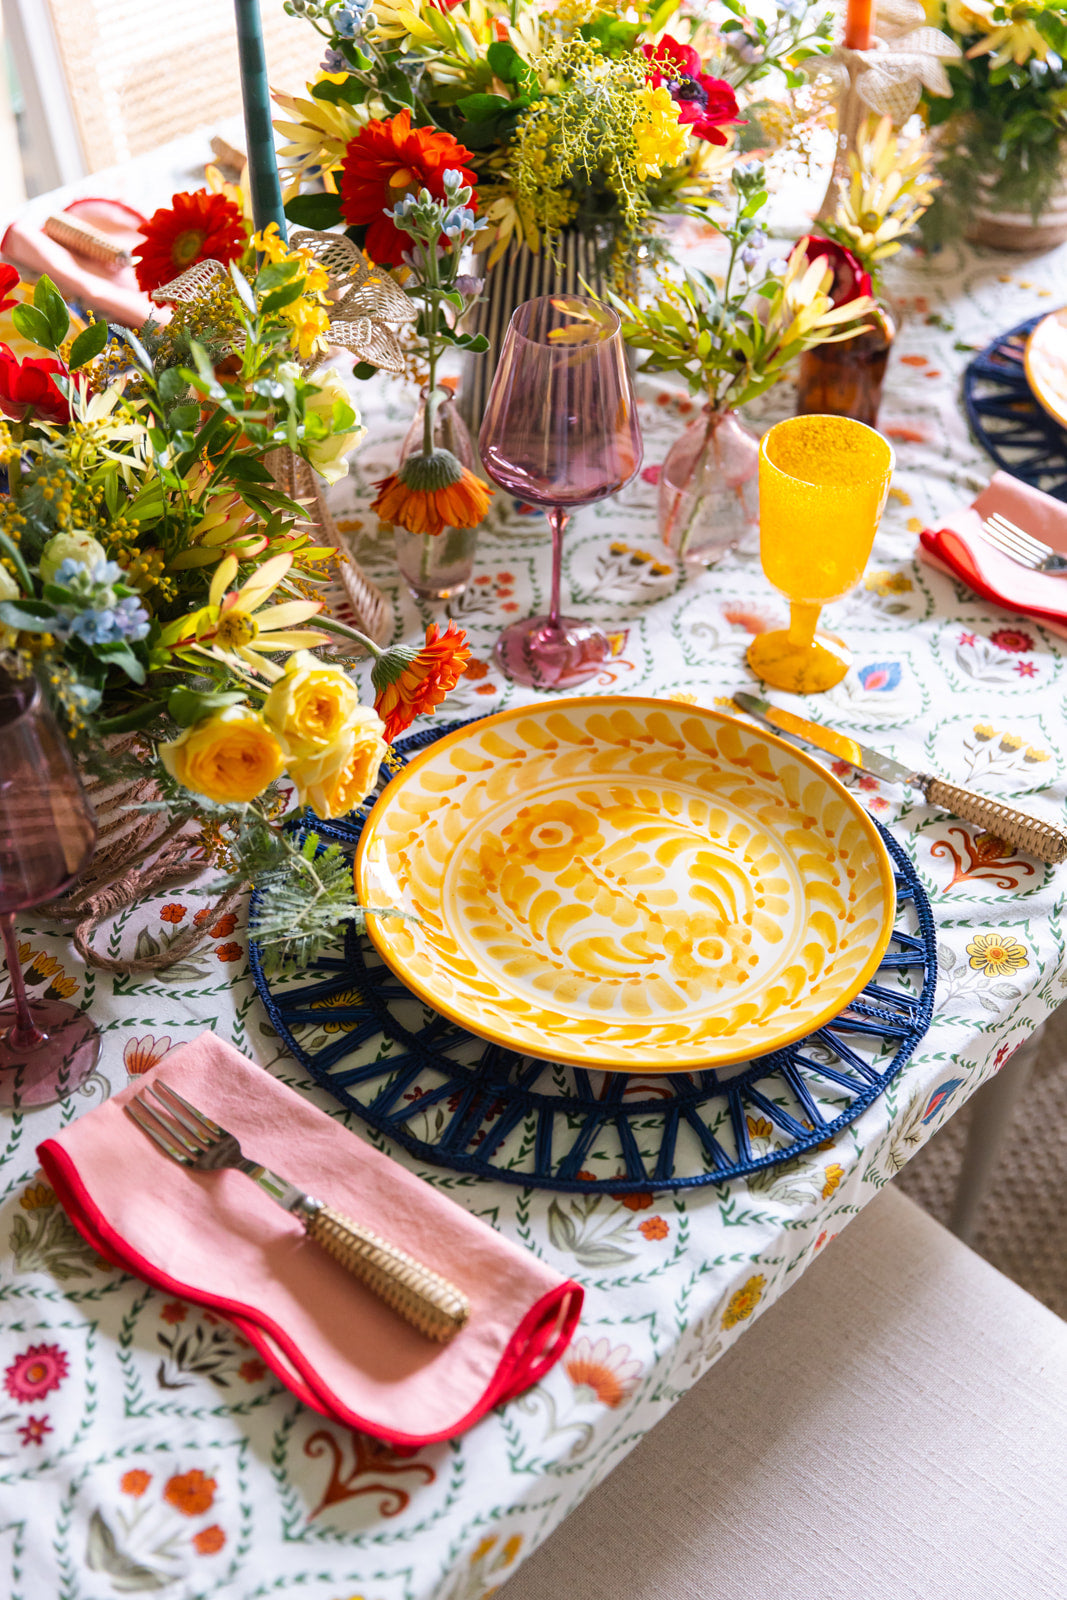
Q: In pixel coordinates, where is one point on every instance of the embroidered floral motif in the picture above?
(601, 1373)
(997, 955)
(741, 1305)
(35, 1373)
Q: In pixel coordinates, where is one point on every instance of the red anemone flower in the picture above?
(30, 385)
(850, 280)
(9, 277)
(384, 162)
(194, 227)
(705, 105)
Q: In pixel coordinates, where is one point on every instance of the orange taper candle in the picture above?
(858, 24)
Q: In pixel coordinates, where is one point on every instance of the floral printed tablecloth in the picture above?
(144, 1448)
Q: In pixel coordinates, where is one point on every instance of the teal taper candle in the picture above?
(255, 91)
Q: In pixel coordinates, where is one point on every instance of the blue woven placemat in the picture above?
(453, 1100)
(1006, 419)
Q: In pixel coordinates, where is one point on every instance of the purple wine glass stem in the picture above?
(23, 1033)
(557, 521)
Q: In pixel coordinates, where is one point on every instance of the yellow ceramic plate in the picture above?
(1046, 364)
(626, 883)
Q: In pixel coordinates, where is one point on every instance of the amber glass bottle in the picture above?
(845, 380)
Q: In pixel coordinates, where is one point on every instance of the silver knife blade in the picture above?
(835, 744)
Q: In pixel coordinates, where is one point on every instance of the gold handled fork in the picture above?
(421, 1296)
(1021, 546)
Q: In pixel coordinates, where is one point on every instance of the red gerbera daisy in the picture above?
(194, 227)
(383, 163)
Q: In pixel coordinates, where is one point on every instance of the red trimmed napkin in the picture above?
(216, 1239)
(958, 549)
(112, 291)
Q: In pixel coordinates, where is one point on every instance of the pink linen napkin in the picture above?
(217, 1239)
(958, 549)
(112, 291)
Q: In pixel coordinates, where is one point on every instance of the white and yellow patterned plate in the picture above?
(626, 883)
(1045, 361)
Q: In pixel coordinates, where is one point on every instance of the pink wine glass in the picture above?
(560, 431)
(47, 834)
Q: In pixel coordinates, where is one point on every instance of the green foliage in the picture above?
(306, 902)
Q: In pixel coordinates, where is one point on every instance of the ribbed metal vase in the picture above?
(518, 276)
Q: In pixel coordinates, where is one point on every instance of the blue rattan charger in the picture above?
(1006, 419)
(453, 1100)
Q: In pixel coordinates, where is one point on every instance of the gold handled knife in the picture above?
(1019, 828)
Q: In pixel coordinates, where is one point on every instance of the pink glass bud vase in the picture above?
(438, 566)
(709, 490)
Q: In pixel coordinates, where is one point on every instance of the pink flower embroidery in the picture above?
(35, 1373)
(34, 1429)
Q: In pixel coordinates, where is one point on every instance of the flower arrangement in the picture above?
(733, 341)
(432, 489)
(566, 115)
(156, 580)
(1004, 126)
(892, 184)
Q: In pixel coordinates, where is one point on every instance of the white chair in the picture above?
(894, 1427)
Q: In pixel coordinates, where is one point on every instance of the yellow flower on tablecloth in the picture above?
(997, 955)
(759, 1128)
(984, 731)
(832, 1176)
(37, 1197)
(1011, 741)
(61, 987)
(884, 582)
(1033, 756)
(741, 1305)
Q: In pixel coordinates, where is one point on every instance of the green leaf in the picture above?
(364, 370)
(187, 706)
(277, 299)
(88, 345)
(349, 93)
(28, 616)
(248, 469)
(278, 273)
(482, 107)
(319, 212)
(33, 325)
(171, 385)
(140, 717)
(49, 301)
(119, 654)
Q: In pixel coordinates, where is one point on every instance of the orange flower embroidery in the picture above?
(230, 952)
(605, 1374)
(423, 683)
(224, 926)
(209, 1541)
(251, 1371)
(191, 1493)
(833, 1176)
(174, 1312)
(634, 1202)
(141, 1055)
(654, 1228)
(172, 912)
(135, 1482)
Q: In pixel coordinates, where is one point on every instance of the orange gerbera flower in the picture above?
(194, 227)
(462, 504)
(383, 163)
(423, 681)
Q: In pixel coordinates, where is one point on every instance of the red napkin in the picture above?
(217, 1239)
(959, 549)
(112, 291)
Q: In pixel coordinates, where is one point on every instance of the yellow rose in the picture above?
(229, 757)
(313, 706)
(335, 782)
(329, 456)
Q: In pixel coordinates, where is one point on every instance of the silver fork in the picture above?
(421, 1296)
(1021, 546)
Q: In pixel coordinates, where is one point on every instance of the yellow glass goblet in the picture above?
(823, 483)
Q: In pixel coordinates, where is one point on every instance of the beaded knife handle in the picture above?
(418, 1294)
(1019, 828)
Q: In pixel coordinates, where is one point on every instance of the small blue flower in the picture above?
(457, 222)
(334, 61)
(452, 179)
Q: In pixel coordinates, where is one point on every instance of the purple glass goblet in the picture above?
(47, 834)
(560, 431)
